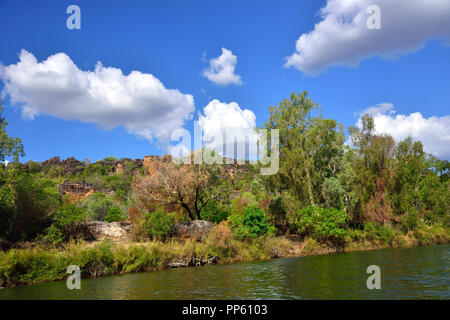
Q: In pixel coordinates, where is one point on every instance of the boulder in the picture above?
(109, 230)
(197, 229)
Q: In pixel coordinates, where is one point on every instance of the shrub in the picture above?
(354, 235)
(290, 205)
(6, 208)
(34, 202)
(115, 215)
(121, 195)
(377, 232)
(98, 206)
(65, 225)
(214, 212)
(410, 221)
(32, 167)
(252, 223)
(278, 214)
(156, 225)
(134, 215)
(323, 224)
(220, 240)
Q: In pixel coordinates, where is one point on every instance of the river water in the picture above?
(406, 273)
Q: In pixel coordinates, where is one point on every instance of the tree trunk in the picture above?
(186, 207)
(308, 178)
(308, 181)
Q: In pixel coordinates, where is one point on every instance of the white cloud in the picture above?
(221, 118)
(343, 38)
(57, 87)
(433, 132)
(221, 69)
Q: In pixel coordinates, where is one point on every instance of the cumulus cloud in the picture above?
(221, 69)
(433, 132)
(343, 38)
(226, 124)
(138, 101)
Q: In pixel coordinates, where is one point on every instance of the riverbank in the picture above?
(37, 264)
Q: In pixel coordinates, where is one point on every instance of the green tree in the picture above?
(310, 148)
(29, 203)
(372, 164)
(9, 147)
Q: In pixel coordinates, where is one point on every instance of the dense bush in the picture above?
(6, 208)
(214, 212)
(220, 239)
(32, 167)
(155, 225)
(98, 206)
(65, 225)
(26, 205)
(326, 224)
(379, 233)
(252, 223)
(115, 215)
(409, 221)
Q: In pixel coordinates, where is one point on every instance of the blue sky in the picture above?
(175, 42)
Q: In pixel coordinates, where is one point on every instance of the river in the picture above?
(406, 273)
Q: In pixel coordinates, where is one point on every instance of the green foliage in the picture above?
(310, 148)
(121, 195)
(6, 208)
(98, 206)
(32, 167)
(110, 159)
(214, 212)
(34, 202)
(434, 194)
(156, 225)
(95, 169)
(377, 232)
(340, 188)
(9, 147)
(66, 221)
(115, 215)
(322, 223)
(410, 221)
(55, 171)
(333, 193)
(252, 223)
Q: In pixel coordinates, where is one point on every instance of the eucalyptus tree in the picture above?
(310, 148)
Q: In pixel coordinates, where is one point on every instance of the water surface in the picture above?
(406, 273)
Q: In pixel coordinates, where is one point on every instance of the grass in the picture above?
(41, 264)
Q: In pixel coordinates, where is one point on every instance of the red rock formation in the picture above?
(75, 191)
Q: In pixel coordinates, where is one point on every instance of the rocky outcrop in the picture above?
(70, 166)
(109, 230)
(75, 191)
(197, 229)
(117, 166)
(151, 162)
